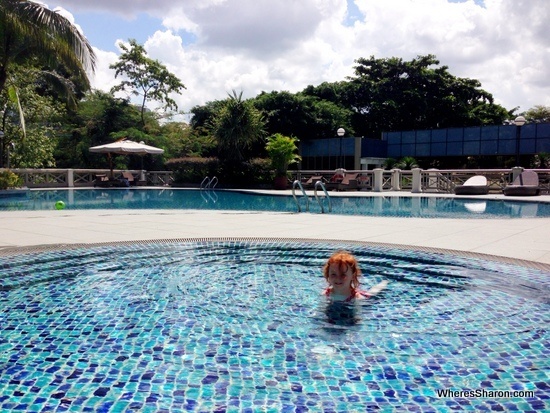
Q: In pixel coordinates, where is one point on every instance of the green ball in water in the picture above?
(59, 205)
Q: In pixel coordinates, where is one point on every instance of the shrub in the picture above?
(9, 180)
(192, 169)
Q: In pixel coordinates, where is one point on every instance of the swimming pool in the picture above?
(240, 326)
(391, 206)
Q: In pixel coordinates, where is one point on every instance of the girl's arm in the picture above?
(377, 288)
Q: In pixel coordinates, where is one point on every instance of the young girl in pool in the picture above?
(342, 274)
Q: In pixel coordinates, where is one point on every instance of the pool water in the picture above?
(241, 326)
(400, 206)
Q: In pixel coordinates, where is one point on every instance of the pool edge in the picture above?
(11, 251)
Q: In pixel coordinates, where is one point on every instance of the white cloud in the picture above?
(255, 45)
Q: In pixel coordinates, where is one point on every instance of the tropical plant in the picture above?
(407, 162)
(390, 163)
(34, 146)
(146, 77)
(541, 160)
(282, 152)
(30, 32)
(237, 127)
(35, 37)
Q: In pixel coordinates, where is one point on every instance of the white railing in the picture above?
(431, 180)
(378, 180)
(71, 178)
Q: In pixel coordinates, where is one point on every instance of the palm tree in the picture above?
(237, 126)
(32, 34)
(407, 162)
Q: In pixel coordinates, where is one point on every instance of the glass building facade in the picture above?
(475, 141)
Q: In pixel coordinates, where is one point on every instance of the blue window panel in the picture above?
(439, 149)
(471, 148)
(489, 133)
(543, 145)
(408, 150)
(529, 130)
(394, 151)
(423, 136)
(489, 147)
(506, 147)
(507, 132)
(393, 138)
(527, 145)
(348, 146)
(308, 148)
(543, 130)
(334, 146)
(423, 149)
(408, 137)
(472, 134)
(454, 148)
(439, 135)
(455, 135)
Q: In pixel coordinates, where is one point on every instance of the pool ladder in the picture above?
(318, 184)
(208, 183)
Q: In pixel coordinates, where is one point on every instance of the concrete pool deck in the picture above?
(519, 239)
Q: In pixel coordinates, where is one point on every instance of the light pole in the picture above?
(340, 132)
(519, 122)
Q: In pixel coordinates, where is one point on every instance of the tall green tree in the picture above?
(145, 77)
(538, 114)
(30, 33)
(237, 127)
(391, 94)
(303, 116)
(35, 147)
(96, 121)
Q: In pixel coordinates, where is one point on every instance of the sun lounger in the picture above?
(475, 185)
(310, 183)
(131, 180)
(526, 184)
(349, 183)
(334, 181)
(101, 180)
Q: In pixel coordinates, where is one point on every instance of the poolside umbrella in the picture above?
(125, 147)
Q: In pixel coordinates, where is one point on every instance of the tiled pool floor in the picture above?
(240, 326)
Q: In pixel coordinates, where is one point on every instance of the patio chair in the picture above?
(349, 183)
(101, 180)
(475, 185)
(335, 180)
(526, 184)
(310, 183)
(129, 177)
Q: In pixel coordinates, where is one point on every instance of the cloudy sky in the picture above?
(216, 46)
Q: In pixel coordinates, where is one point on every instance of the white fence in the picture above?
(430, 181)
(71, 178)
(378, 180)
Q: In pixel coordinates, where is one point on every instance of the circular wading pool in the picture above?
(241, 326)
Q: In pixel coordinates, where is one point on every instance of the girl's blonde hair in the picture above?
(344, 260)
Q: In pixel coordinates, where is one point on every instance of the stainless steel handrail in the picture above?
(298, 184)
(205, 182)
(327, 196)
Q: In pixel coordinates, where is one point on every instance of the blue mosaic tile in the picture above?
(240, 326)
